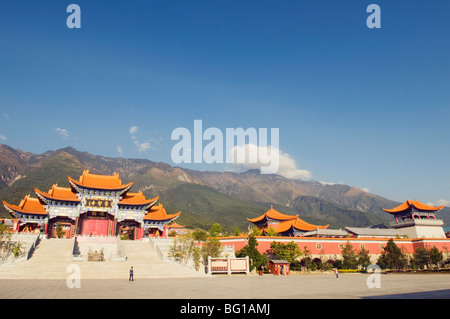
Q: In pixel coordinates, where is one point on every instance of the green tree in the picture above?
(212, 248)
(436, 256)
(237, 231)
(271, 232)
(182, 248)
(420, 258)
(173, 234)
(17, 249)
(392, 257)
(350, 260)
(256, 231)
(5, 237)
(59, 231)
(363, 258)
(200, 235)
(256, 259)
(196, 256)
(288, 252)
(307, 259)
(215, 230)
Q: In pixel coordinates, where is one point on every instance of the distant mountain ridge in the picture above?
(203, 197)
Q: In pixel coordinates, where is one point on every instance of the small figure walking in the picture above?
(131, 274)
(336, 272)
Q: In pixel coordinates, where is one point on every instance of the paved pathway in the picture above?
(45, 276)
(251, 287)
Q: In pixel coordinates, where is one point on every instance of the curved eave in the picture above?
(283, 226)
(298, 225)
(309, 227)
(420, 206)
(147, 204)
(9, 208)
(122, 188)
(257, 219)
(267, 217)
(13, 209)
(175, 225)
(392, 211)
(162, 218)
(408, 205)
(47, 197)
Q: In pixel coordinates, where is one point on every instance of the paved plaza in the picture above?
(316, 286)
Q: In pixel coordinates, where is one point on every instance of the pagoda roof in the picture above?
(175, 225)
(158, 212)
(104, 182)
(58, 193)
(136, 199)
(408, 205)
(272, 214)
(298, 224)
(28, 205)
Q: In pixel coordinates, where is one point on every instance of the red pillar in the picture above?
(114, 227)
(15, 227)
(141, 233)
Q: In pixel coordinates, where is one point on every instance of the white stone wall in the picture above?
(425, 232)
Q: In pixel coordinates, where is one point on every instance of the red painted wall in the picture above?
(333, 246)
(92, 226)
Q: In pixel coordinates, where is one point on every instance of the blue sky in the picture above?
(364, 107)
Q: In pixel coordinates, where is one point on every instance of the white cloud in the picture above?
(332, 183)
(265, 158)
(119, 150)
(2, 137)
(441, 202)
(142, 147)
(6, 116)
(367, 190)
(63, 132)
(134, 129)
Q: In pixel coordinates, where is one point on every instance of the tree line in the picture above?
(392, 257)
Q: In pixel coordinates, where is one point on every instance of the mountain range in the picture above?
(204, 197)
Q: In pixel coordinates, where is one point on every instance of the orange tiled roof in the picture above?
(28, 205)
(136, 199)
(298, 224)
(272, 214)
(159, 213)
(412, 203)
(175, 225)
(59, 193)
(110, 182)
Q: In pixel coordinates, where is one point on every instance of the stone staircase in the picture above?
(49, 261)
(52, 257)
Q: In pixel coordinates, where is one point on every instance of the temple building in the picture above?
(92, 205)
(176, 229)
(415, 226)
(283, 225)
(417, 220)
